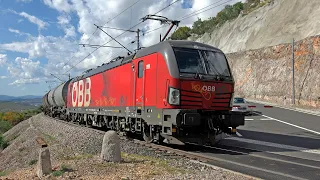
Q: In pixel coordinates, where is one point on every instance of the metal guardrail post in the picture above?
(293, 86)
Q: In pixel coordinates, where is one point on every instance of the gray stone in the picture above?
(111, 147)
(44, 163)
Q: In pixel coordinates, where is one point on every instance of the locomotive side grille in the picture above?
(190, 99)
(221, 100)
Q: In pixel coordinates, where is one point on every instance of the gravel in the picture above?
(68, 141)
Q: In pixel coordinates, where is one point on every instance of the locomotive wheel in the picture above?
(147, 136)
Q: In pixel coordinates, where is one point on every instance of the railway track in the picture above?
(168, 149)
(249, 162)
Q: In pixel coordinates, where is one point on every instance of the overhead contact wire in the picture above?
(73, 66)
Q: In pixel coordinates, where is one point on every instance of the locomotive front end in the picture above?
(200, 101)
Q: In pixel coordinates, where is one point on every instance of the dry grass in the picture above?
(86, 166)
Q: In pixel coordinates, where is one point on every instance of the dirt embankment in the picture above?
(75, 155)
(266, 73)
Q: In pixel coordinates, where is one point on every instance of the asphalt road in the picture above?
(274, 143)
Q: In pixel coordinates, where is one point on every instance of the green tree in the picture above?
(198, 27)
(181, 33)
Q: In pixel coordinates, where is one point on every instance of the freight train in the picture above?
(175, 92)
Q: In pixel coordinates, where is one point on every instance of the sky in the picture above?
(39, 39)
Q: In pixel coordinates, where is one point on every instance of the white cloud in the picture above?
(18, 32)
(14, 30)
(20, 82)
(3, 77)
(41, 46)
(3, 59)
(60, 5)
(64, 22)
(64, 19)
(41, 24)
(26, 71)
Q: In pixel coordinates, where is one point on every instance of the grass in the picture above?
(63, 168)
(4, 126)
(3, 173)
(3, 142)
(32, 162)
(152, 161)
(49, 139)
(78, 157)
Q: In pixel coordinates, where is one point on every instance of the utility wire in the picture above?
(150, 31)
(103, 25)
(189, 15)
(73, 66)
(115, 17)
(166, 6)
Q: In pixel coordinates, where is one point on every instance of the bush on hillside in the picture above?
(3, 142)
(181, 33)
(14, 118)
(229, 13)
(4, 126)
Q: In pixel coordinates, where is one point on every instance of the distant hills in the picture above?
(17, 98)
(15, 103)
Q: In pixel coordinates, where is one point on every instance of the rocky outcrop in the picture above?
(44, 163)
(272, 24)
(111, 147)
(266, 73)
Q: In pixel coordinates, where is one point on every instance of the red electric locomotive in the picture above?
(173, 92)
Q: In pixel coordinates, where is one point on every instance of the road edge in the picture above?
(312, 112)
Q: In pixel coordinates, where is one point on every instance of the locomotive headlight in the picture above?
(174, 96)
(231, 100)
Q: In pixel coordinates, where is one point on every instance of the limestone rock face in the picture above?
(44, 163)
(266, 73)
(111, 147)
(270, 25)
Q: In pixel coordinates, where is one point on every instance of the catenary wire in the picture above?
(73, 66)
(103, 25)
(187, 17)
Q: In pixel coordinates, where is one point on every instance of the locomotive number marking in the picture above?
(209, 88)
(81, 94)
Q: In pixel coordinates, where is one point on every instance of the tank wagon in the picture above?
(173, 92)
(54, 102)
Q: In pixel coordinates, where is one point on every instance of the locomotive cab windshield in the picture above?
(202, 64)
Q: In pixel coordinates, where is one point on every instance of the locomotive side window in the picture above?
(140, 69)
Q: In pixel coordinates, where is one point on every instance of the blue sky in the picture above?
(40, 37)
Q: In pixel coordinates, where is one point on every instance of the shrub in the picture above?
(3, 142)
(4, 126)
(229, 13)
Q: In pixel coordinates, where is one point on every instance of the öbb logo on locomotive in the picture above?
(81, 95)
(209, 88)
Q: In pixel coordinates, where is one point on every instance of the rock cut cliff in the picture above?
(276, 23)
(259, 49)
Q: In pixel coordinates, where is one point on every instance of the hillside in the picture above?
(257, 39)
(275, 23)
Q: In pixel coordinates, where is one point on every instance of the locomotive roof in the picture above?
(163, 47)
